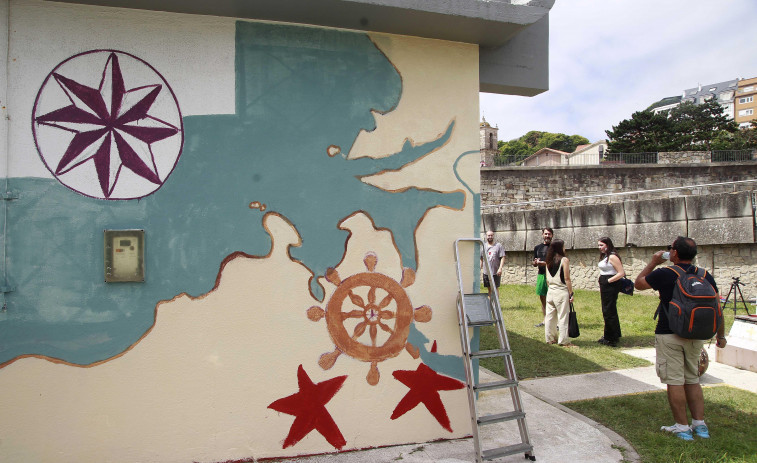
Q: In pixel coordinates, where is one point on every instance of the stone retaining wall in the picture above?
(722, 224)
(529, 186)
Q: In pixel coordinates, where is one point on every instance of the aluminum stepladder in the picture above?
(478, 309)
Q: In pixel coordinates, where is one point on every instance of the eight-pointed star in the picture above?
(111, 126)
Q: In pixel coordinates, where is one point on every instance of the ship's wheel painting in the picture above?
(107, 125)
(368, 317)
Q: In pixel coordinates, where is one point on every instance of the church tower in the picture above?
(488, 143)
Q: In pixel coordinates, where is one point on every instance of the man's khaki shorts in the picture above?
(677, 359)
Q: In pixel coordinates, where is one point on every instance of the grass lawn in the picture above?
(731, 415)
(534, 358)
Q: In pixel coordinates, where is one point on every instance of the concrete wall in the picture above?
(722, 224)
(529, 186)
(276, 170)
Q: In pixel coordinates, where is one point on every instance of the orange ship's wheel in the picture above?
(369, 316)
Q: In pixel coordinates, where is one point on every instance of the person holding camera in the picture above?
(610, 273)
(677, 362)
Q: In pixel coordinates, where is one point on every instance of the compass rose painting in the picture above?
(107, 125)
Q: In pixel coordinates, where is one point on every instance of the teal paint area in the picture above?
(299, 91)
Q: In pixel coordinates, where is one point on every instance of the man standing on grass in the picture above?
(540, 261)
(495, 254)
(677, 361)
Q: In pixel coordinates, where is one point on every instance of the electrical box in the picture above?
(124, 255)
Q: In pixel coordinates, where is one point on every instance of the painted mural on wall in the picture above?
(257, 224)
(293, 106)
(128, 137)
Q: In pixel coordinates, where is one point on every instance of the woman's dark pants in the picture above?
(609, 294)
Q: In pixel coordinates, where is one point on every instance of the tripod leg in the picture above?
(746, 309)
(728, 297)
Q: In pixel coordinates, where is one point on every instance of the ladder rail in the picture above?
(465, 345)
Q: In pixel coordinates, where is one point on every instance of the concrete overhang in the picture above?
(513, 35)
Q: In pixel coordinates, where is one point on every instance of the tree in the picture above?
(521, 148)
(696, 126)
(644, 132)
(742, 139)
(686, 127)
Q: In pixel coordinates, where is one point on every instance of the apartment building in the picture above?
(724, 92)
(745, 102)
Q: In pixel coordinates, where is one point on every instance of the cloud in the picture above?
(609, 59)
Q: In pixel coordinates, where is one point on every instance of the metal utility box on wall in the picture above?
(124, 255)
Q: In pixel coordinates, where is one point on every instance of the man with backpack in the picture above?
(690, 307)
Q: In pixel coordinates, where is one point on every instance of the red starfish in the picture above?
(425, 384)
(308, 406)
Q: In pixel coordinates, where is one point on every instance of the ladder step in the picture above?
(481, 322)
(478, 307)
(504, 451)
(499, 417)
(490, 353)
(495, 385)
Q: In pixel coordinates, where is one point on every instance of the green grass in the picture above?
(534, 358)
(731, 415)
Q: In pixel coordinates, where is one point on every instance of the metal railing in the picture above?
(586, 159)
(732, 155)
(629, 158)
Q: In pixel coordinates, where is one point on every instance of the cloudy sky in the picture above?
(610, 58)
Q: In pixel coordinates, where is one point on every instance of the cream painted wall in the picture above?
(197, 386)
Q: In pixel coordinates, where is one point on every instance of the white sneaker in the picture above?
(681, 432)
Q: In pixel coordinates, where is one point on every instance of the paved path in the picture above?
(557, 433)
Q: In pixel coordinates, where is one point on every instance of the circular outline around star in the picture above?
(107, 125)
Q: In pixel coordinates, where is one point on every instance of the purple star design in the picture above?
(111, 126)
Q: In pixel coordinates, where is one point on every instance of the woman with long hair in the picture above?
(610, 273)
(559, 295)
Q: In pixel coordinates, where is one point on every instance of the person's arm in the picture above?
(566, 273)
(618, 266)
(501, 263)
(641, 279)
(720, 340)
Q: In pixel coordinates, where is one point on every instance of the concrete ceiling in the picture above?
(506, 67)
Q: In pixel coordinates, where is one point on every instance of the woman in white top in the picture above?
(559, 295)
(610, 273)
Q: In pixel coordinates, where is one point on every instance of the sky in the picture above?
(611, 58)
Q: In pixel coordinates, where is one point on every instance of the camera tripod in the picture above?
(737, 296)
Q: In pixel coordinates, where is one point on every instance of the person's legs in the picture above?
(692, 349)
(550, 321)
(695, 400)
(541, 291)
(671, 371)
(677, 401)
(543, 304)
(609, 297)
(563, 309)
